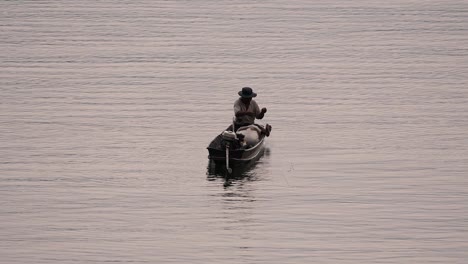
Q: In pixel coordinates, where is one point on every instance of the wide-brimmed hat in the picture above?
(247, 92)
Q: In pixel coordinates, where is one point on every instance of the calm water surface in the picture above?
(107, 107)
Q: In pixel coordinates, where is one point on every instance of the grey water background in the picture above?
(106, 109)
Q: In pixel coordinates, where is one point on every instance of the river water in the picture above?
(107, 107)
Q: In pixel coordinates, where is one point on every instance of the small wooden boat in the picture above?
(228, 147)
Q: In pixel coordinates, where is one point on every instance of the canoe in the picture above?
(237, 153)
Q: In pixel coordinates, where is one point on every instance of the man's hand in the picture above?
(262, 113)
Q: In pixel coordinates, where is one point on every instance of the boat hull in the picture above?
(217, 151)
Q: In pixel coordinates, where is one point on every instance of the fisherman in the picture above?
(246, 109)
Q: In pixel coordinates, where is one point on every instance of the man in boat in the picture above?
(247, 110)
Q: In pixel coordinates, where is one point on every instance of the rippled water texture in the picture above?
(107, 107)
